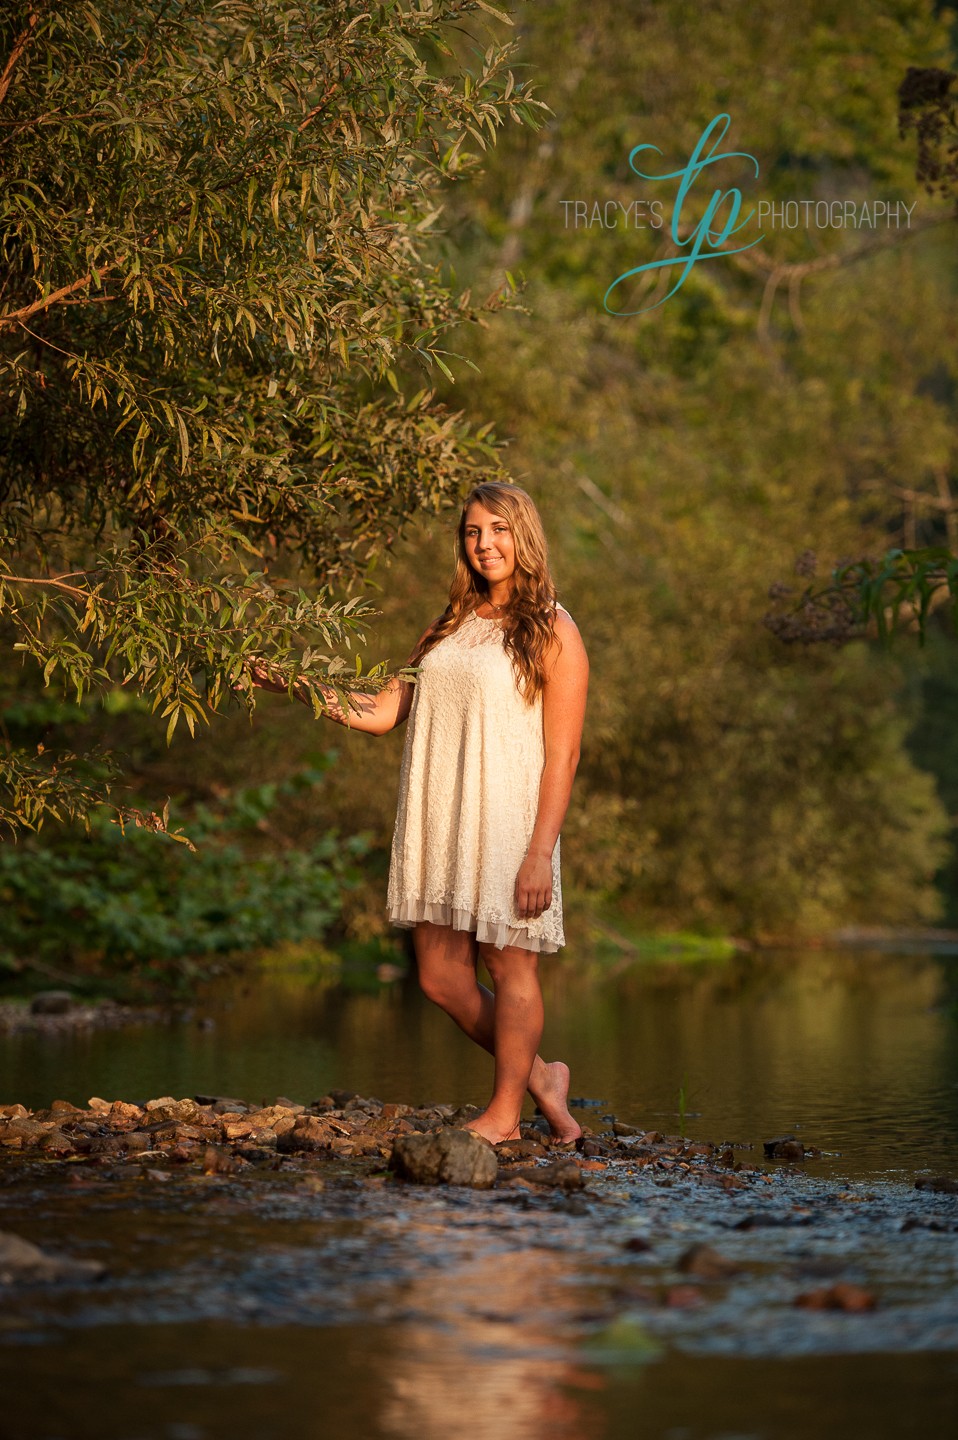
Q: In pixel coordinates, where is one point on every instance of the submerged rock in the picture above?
(707, 1264)
(937, 1184)
(445, 1157)
(217, 1161)
(769, 1220)
(842, 1296)
(23, 1263)
(784, 1147)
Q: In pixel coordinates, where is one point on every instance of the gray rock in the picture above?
(445, 1157)
(52, 1002)
(464, 1114)
(22, 1262)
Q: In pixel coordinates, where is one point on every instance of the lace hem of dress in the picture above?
(487, 932)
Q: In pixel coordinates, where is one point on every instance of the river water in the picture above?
(284, 1306)
(853, 1052)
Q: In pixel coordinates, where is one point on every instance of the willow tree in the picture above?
(220, 317)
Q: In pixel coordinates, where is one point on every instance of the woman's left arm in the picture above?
(563, 714)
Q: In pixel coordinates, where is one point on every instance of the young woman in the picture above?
(495, 722)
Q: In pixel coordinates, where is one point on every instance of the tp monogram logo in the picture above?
(705, 242)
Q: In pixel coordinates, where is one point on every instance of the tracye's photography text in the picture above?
(773, 214)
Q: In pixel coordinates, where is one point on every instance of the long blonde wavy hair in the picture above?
(530, 616)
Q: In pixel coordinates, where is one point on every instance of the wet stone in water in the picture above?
(560, 1175)
(707, 1264)
(842, 1296)
(784, 1147)
(937, 1184)
(22, 1262)
(445, 1157)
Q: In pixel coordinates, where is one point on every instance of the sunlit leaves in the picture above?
(215, 285)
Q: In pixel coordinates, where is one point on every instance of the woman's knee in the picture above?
(445, 964)
(434, 984)
(511, 963)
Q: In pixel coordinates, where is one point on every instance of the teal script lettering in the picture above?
(703, 235)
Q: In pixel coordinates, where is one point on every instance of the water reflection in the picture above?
(856, 1052)
(484, 1354)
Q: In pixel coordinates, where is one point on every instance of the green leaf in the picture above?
(499, 14)
(184, 442)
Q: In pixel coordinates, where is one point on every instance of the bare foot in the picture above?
(487, 1129)
(551, 1095)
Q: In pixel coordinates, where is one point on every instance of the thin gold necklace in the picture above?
(493, 606)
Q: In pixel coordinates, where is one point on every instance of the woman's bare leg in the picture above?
(447, 973)
(518, 1022)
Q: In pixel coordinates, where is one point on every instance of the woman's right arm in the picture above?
(374, 714)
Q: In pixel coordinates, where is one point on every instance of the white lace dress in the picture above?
(468, 795)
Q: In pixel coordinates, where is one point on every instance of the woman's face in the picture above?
(490, 548)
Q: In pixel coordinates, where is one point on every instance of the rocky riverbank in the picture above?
(426, 1144)
(58, 1012)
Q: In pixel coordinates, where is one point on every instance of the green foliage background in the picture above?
(686, 459)
(795, 405)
